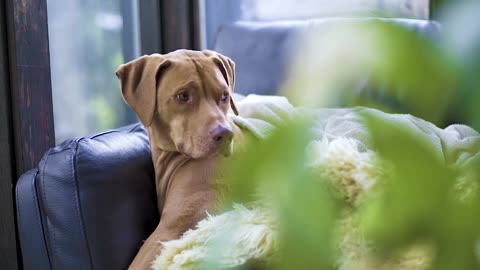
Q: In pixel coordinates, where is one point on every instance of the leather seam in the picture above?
(52, 233)
(115, 131)
(78, 204)
(134, 128)
(37, 216)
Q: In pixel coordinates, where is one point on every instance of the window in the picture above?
(89, 39)
(290, 9)
(220, 12)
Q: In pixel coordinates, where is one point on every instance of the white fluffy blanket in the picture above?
(341, 150)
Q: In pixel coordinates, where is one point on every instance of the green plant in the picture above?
(414, 205)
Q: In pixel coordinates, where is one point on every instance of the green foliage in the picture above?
(419, 202)
(399, 71)
(461, 41)
(307, 213)
(422, 199)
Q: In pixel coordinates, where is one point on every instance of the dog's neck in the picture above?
(166, 159)
(166, 164)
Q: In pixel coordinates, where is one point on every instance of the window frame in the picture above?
(8, 241)
(27, 119)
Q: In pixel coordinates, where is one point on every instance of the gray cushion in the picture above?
(261, 50)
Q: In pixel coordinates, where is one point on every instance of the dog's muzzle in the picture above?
(222, 136)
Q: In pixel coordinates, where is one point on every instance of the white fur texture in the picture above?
(350, 173)
(243, 234)
(248, 234)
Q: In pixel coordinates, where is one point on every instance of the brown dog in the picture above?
(182, 98)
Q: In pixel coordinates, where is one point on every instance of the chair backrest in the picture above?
(89, 204)
(262, 50)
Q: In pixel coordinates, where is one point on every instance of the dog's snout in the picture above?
(222, 133)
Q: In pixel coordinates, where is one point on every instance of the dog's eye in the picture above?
(225, 96)
(183, 97)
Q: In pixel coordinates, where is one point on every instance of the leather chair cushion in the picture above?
(95, 199)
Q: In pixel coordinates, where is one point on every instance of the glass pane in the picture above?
(220, 12)
(299, 9)
(89, 39)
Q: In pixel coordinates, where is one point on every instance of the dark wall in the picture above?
(177, 25)
(150, 32)
(8, 247)
(31, 89)
(26, 113)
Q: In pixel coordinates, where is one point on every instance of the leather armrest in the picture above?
(90, 203)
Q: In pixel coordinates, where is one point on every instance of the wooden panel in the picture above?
(150, 27)
(199, 25)
(8, 247)
(169, 25)
(177, 27)
(26, 113)
(30, 81)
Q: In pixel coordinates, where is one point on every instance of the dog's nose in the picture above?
(222, 133)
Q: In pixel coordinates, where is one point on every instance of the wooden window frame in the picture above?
(26, 123)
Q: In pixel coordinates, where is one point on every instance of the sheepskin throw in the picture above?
(341, 152)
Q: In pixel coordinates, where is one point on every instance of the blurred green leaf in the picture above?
(275, 171)
(377, 64)
(422, 199)
(418, 202)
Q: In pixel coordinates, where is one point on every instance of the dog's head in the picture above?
(183, 97)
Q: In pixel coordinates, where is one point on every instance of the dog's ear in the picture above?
(139, 80)
(227, 67)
